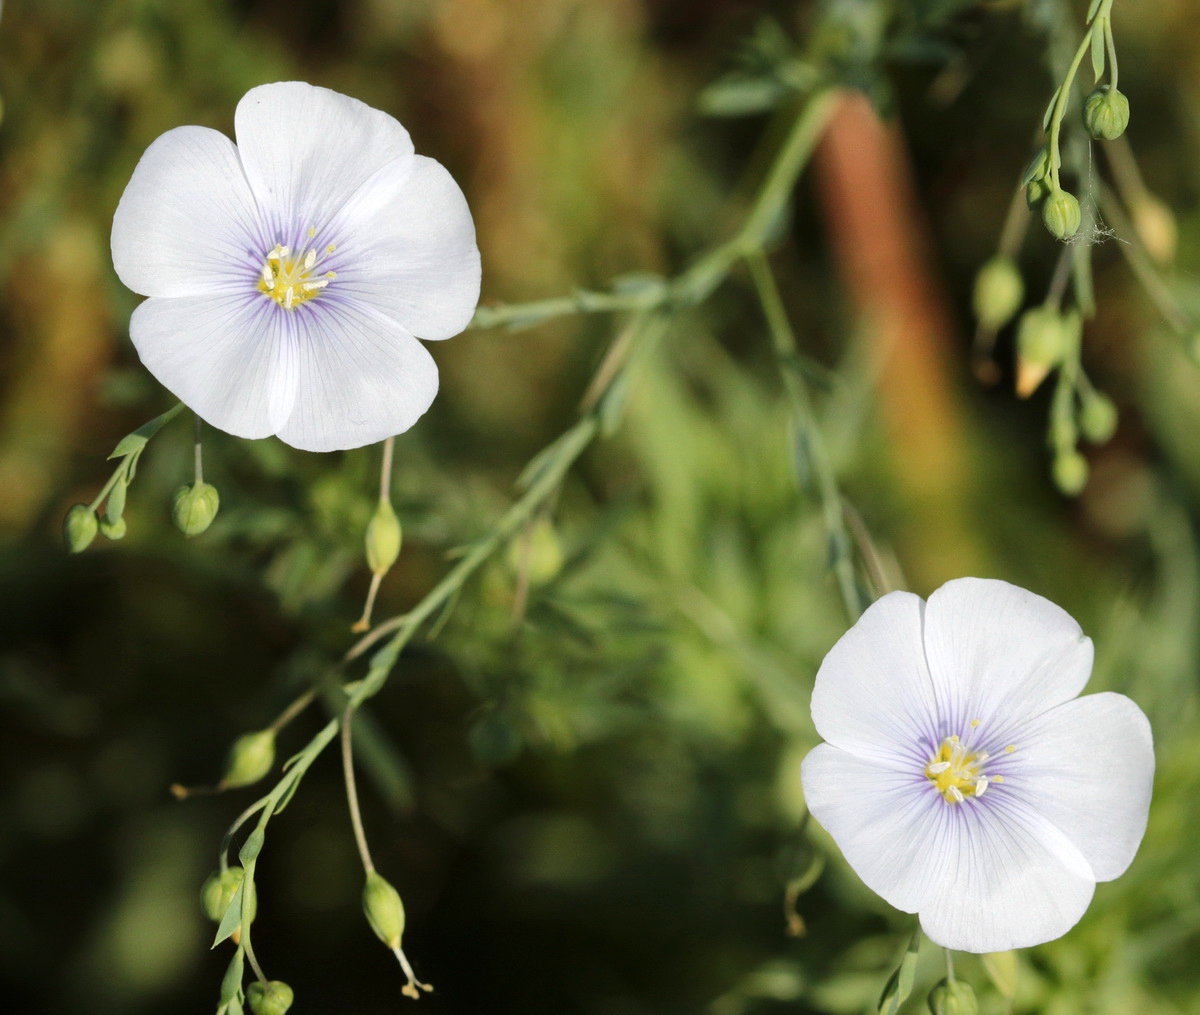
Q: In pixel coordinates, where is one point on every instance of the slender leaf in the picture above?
(900, 983)
(1098, 49)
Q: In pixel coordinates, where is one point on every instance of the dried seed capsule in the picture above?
(384, 909)
(250, 758)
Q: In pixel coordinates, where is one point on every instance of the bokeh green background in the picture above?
(597, 810)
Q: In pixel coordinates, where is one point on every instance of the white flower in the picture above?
(962, 777)
(289, 275)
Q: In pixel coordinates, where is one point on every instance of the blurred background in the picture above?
(597, 810)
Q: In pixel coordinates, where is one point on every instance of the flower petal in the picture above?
(892, 828)
(306, 150)
(1088, 767)
(1011, 880)
(222, 356)
(409, 248)
(872, 695)
(1000, 654)
(187, 222)
(360, 377)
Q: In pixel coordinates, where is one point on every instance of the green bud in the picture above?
(80, 527)
(194, 508)
(385, 911)
(953, 998)
(1061, 215)
(1098, 417)
(1041, 344)
(232, 1007)
(1070, 472)
(113, 529)
(1106, 113)
(998, 292)
(538, 552)
(272, 998)
(218, 892)
(1038, 167)
(250, 758)
(1036, 193)
(384, 536)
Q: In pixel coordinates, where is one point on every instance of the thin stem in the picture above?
(949, 965)
(784, 341)
(118, 475)
(1059, 280)
(245, 943)
(199, 455)
(360, 838)
(1060, 107)
(385, 470)
(293, 710)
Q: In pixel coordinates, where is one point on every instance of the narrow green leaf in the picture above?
(900, 983)
(232, 918)
(251, 847)
(137, 440)
(232, 981)
(1050, 110)
(1098, 49)
(1095, 6)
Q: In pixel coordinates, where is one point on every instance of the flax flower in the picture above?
(963, 778)
(290, 275)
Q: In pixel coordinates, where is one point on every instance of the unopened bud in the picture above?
(1035, 193)
(384, 536)
(1061, 215)
(1038, 167)
(194, 508)
(1097, 417)
(80, 527)
(273, 998)
(218, 891)
(385, 911)
(953, 998)
(1041, 345)
(250, 758)
(1070, 472)
(1106, 113)
(537, 552)
(111, 529)
(998, 292)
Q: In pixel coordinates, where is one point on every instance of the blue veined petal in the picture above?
(224, 356)
(1000, 654)
(187, 222)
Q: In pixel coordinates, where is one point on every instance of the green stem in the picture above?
(1060, 108)
(784, 341)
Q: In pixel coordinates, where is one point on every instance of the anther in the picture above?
(974, 723)
(267, 276)
(1010, 748)
(980, 786)
(331, 248)
(312, 231)
(310, 287)
(288, 297)
(937, 768)
(957, 794)
(311, 259)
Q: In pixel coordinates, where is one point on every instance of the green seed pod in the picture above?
(1106, 113)
(1070, 472)
(272, 998)
(250, 758)
(384, 536)
(385, 911)
(113, 529)
(194, 507)
(538, 552)
(955, 998)
(1098, 417)
(1061, 215)
(218, 892)
(80, 527)
(998, 292)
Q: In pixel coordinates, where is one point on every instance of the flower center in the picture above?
(290, 279)
(957, 772)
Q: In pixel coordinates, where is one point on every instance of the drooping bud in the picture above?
(1106, 113)
(273, 998)
(384, 537)
(1041, 346)
(194, 507)
(384, 910)
(1035, 193)
(1061, 215)
(80, 527)
(998, 292)
(1070, 472)
(111, 529)
(953, 998)
(250, 758)
(1097, 417)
